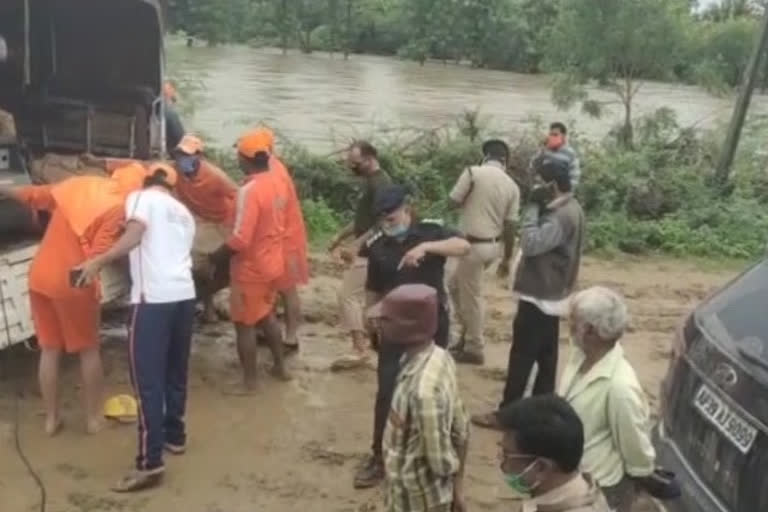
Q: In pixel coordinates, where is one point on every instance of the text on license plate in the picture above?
(737, 430)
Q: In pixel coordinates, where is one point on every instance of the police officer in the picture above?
(488, 201)
(403, 251)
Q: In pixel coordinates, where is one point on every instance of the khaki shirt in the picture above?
(488, 197)
(578, 495)
(611, 403)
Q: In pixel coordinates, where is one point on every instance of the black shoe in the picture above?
(370, 474)
(465, 357)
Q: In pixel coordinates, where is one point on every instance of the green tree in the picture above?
(731, 9)
(618, 43)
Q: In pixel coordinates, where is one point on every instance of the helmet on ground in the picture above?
(122, 408)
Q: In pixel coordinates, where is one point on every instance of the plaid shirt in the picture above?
(426, 424)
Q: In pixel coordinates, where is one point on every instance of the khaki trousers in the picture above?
(352, 297)
(466, 288)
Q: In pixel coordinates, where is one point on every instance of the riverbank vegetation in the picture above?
(616, 44)
(708, 44)
(656, 198)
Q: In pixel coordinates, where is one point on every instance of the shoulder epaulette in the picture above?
(439, 222)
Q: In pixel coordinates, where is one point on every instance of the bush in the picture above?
(657, 198)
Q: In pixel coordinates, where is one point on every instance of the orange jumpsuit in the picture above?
(66, 317)
(295, 241)
(257, 239)
(210, 194)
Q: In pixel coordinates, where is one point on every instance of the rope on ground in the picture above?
(17, 412)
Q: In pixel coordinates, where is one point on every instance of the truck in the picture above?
(82, 81)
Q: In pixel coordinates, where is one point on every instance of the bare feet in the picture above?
(241, 388)
(53, 426)
(281, 373)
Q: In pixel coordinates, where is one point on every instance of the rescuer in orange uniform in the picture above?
(204, 188)
(87, 214)
(210, 194)
(294, 245)
(257, 260)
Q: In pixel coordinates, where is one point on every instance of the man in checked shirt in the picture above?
(427, 433)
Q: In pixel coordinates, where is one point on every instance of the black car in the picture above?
(714, 427)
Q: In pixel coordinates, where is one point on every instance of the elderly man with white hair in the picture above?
(601, 385)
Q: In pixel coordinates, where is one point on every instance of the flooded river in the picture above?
(320, 100)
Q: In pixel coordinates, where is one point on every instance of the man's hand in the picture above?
(88, 272)
(413, 257)
(334, 245)
(503, 271)
(347, 255)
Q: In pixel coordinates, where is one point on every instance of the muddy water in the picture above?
(295, 446)
(320, 100)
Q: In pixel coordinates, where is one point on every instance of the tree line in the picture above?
(513, 35)
(614, 43)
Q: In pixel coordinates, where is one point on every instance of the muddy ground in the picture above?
(295, 446)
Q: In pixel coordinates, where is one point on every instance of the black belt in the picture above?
(475, 240)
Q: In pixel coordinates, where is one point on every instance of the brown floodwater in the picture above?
(322, 100)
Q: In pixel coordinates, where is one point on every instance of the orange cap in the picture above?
(256, 141)
(129, 177)
(191, 145)
(171, 176)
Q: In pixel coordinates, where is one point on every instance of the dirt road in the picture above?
(295, 446)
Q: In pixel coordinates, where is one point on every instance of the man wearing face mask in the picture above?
(362, 160)
(210, 194)
(557, 148)
(541, 451)
(489, 202)
(551, 242)
(405, 251)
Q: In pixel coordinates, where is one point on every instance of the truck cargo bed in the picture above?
(15, 317)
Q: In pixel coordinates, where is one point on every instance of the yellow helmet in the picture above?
(122, 408)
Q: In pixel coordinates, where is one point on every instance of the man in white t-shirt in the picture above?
(158, 238)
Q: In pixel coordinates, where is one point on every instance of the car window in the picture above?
(738, 314)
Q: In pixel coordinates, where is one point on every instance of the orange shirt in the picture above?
(61, 249)
(210, 194)
(295, 230)
(259, 230)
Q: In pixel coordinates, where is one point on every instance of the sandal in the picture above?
(488, 420)
(350, 362)
(139, 480)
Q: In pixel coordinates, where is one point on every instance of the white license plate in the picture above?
(730, 424)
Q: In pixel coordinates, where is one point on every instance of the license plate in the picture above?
(730, 424)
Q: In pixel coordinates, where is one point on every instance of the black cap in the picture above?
(389, 199)
(494, 145)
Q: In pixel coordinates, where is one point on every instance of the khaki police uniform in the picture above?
(488, 198)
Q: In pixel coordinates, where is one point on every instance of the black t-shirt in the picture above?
(384, 254)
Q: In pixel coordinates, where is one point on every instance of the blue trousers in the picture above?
(159, 341)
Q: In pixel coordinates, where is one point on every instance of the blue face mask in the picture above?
(188, 164)
(395, 231)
